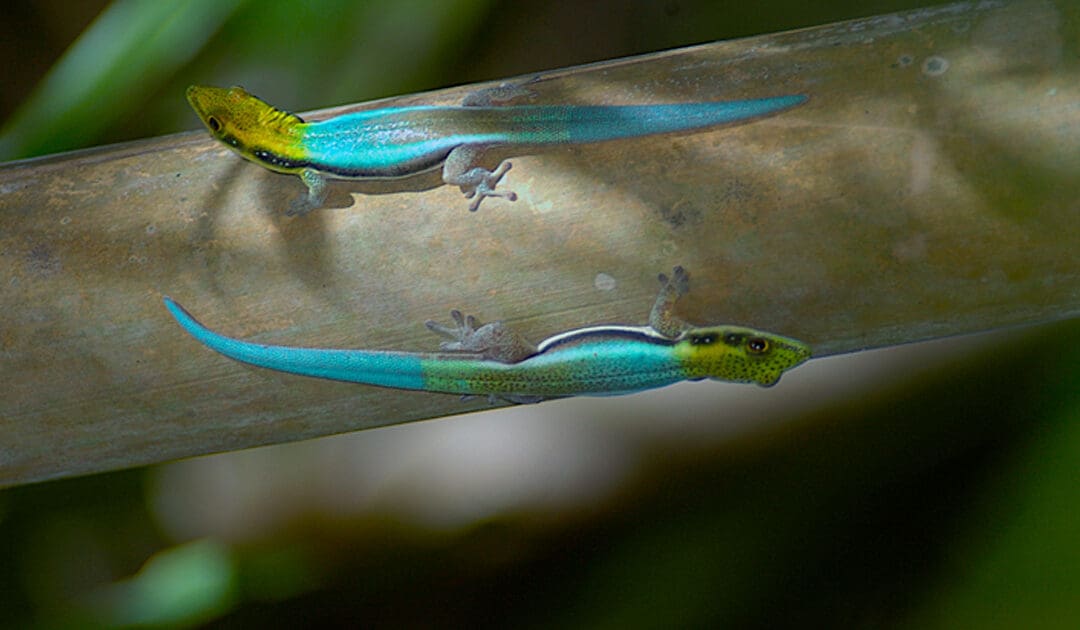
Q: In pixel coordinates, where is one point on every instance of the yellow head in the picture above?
(247, 125)
(743, 355)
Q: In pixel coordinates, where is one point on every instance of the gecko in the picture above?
(396, 142)
(496, 361)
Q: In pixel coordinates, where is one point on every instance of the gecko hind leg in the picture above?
(495, 341)
(476, 182)
(662, 317)
(498, 95)
(461, 332)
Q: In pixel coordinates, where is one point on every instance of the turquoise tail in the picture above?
(590, 123)
(386, 369)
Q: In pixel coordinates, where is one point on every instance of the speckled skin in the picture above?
(620, 363)
(402, 141)
(492, 360)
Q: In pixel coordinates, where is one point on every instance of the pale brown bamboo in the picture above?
(928, 188)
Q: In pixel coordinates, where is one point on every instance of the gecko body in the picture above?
(493, 360)
(399, 142)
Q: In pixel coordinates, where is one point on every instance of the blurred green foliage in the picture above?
(182, 585)
(945, 502)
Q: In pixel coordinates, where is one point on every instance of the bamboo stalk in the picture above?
(927, 189)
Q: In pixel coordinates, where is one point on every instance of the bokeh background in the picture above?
(928, 485)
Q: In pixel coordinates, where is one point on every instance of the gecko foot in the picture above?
(485, 183)
(678, 283)
(299, 207)
(498, 95)
(495, 341)
(462, 332)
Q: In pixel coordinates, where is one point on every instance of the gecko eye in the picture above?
(757, 345)
(213, 123)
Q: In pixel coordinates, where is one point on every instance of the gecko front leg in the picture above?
(316, 195)
(662, 317)
(495, 341)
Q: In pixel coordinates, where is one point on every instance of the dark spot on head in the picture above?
(213, 123)
(733, 339)
(702, 340)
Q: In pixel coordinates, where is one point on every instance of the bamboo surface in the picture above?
(928, 188)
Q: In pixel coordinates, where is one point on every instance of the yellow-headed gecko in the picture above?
(402, 141)
(494, 360)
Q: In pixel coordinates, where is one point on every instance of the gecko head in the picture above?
(742, 355)
(243, 122)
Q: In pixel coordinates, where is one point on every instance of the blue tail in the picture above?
(388, 369)
(594, 123)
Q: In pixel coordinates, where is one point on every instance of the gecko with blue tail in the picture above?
(495, 361)
(399, 142)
